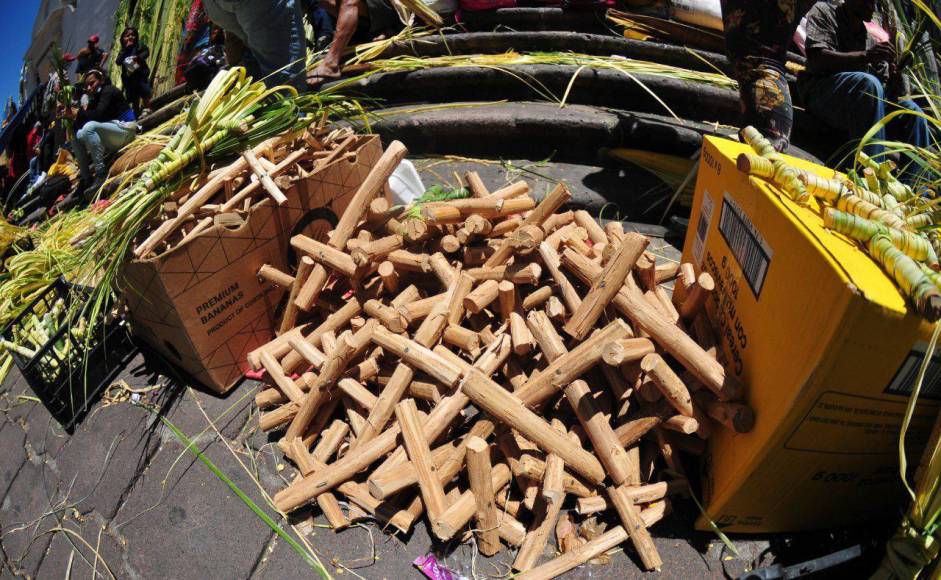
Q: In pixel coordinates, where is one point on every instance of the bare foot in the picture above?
(322, 74)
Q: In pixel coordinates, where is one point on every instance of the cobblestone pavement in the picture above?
(123, 497)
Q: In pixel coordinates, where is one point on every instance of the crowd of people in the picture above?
(851, 81)
(79, 113)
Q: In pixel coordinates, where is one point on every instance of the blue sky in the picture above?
(18, 16)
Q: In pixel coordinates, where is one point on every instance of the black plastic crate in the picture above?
(66, 386)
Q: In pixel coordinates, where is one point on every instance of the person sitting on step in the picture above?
(105, 126)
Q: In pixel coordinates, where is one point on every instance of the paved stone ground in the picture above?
(123, 497)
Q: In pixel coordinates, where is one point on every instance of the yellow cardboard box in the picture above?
(827, 348)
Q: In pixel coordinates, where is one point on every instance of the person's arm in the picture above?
(143, 53)
(829, 61)
(104, 58)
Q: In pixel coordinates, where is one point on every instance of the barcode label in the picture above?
(702, 226)
(904, 380)
(748, 246)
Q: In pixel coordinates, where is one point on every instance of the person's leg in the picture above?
(81, 153)
(222, 14)
(350, 12)
(766, 101)
(106, 138)
(103, 139)
(274, 32)
(851, 101)
(911, 129)
(131, 95)
(145, 93)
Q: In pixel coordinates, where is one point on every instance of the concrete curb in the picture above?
(534, 130)
(537, 130)
(560, 41)
(602, 88)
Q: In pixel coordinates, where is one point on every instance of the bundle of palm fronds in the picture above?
(48, 256)
(64, 90)
(10, 235)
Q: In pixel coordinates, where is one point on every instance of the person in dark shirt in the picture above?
(850, 63)
(90, 57)
(201, 69)
(105, 126)
(135, 74)
(757, 34)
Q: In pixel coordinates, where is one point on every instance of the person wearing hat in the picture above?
(105, 126)
(90, 57)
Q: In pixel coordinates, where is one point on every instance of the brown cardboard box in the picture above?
(202, 306)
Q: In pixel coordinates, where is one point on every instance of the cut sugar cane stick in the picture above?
(569, 367)
(607, 286)
(630, 301)
(289, 318)
(669, 383)
(545, 335)
(480, 476)
(482, 296)
(507, 408)
(536, 298)
(461, 511)
(283, 382)
(553, 490)
(541, 213)
(538, 535)
(635, 527)
(638, 495)
(595, 231)
(338, 319)
(576, 557)
(355, 210)
(276, 194)
(325, 255)
(416, 446)
(696, 297)
(390, 278)
(476, 184)
(624, 351)
(275, 276)
(550, 258)
(609, 450)
(245, 194)
(417, 356)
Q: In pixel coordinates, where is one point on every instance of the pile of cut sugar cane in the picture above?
(895, 225)
(486, 362)
(229, 192)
